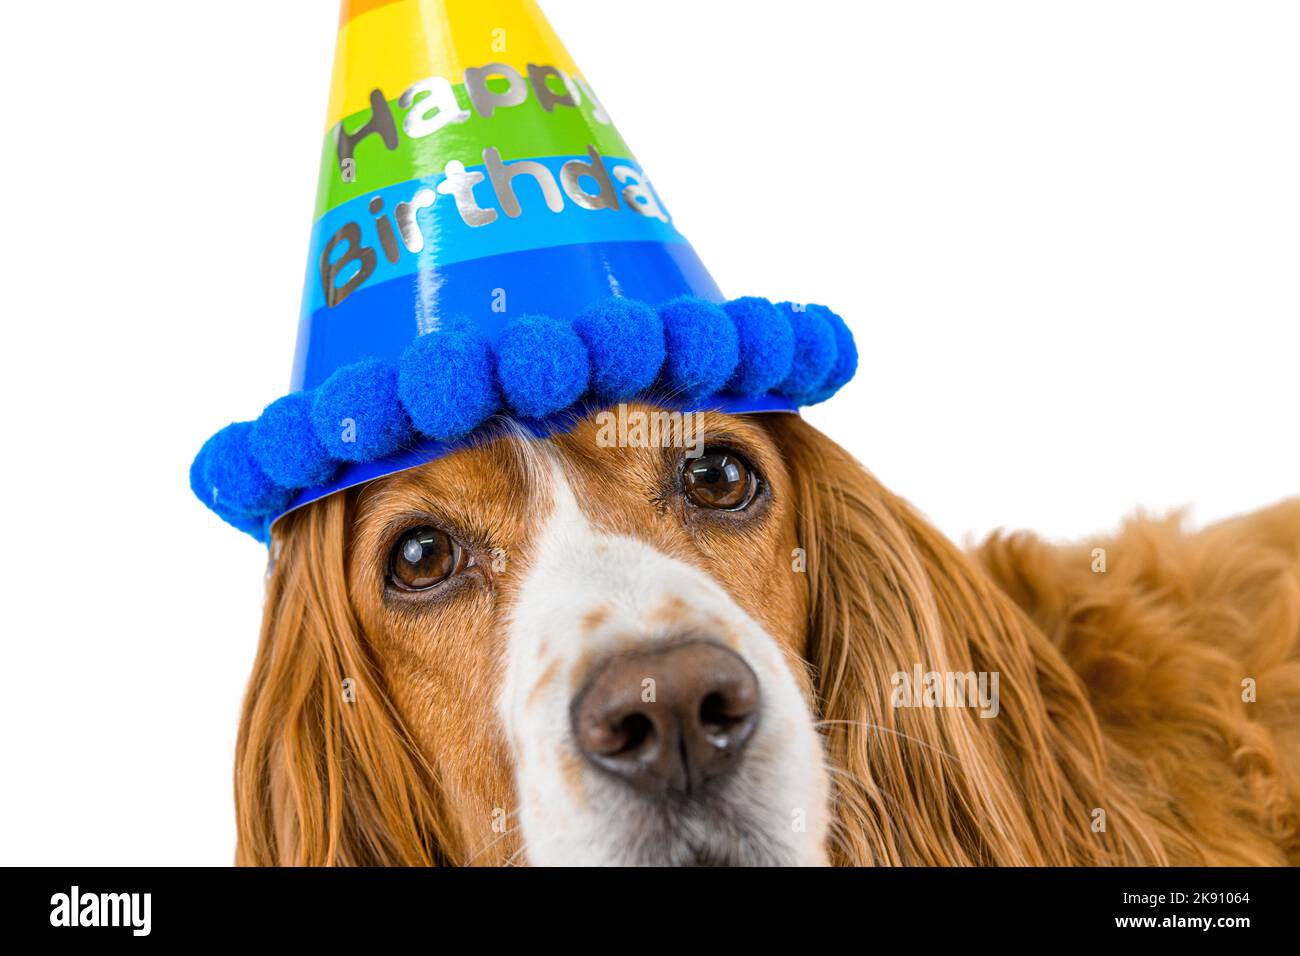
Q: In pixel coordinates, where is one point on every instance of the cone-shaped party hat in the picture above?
(485, 243)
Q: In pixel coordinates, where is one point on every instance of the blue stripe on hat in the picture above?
(380, 321)
(366, 234)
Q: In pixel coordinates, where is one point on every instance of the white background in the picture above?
(1066, 236)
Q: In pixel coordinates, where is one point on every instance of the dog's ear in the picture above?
(325, 773)
(889, 595)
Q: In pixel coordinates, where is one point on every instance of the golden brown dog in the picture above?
(562, 652)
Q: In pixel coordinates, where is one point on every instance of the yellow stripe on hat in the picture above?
(390, 44)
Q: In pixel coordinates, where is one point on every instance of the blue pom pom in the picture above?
(357, 415)
(542, 365)
(199, 475)
(703, 348)
(814, 353)
(285, 444)
(766, 346)
(846, 357)
(230, 480)
(258, 526)
(625, 340)
(445, 382)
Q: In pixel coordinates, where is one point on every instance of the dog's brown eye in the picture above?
(422, 558)
(719, 479)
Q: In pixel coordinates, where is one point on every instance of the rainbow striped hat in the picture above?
(486, 244)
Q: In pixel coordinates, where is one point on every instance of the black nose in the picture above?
(669, 719)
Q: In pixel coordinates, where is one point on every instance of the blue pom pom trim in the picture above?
(703, 347)
(451, 381)
(446, 383)
(766, 341)
(815, 351)
(625, 343)
(285, 445)
(357, 414)
(542, 365)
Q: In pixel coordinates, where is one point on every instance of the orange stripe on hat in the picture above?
(351, 9)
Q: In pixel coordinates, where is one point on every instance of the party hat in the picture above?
(486, 244)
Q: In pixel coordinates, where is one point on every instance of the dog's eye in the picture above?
(422, 558)
(719, 479)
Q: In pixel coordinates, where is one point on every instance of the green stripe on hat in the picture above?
(424, 146)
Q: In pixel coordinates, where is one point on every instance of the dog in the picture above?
(553, 652)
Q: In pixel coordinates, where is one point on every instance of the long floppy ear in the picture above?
(942, 785)
(320, 780)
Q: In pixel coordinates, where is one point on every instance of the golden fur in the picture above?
(1121, 689)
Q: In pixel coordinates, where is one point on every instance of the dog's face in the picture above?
(599, 647)
(609, 648)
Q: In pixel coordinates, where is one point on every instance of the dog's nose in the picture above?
(668, 719)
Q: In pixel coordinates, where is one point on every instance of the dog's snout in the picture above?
(674, 718)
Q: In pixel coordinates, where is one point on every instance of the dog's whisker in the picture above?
(495, 840)
(889, 730)
(868, 787)
(533, 845)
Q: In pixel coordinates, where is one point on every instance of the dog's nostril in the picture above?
(716, 713)
(635, 731)
(689, 731)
